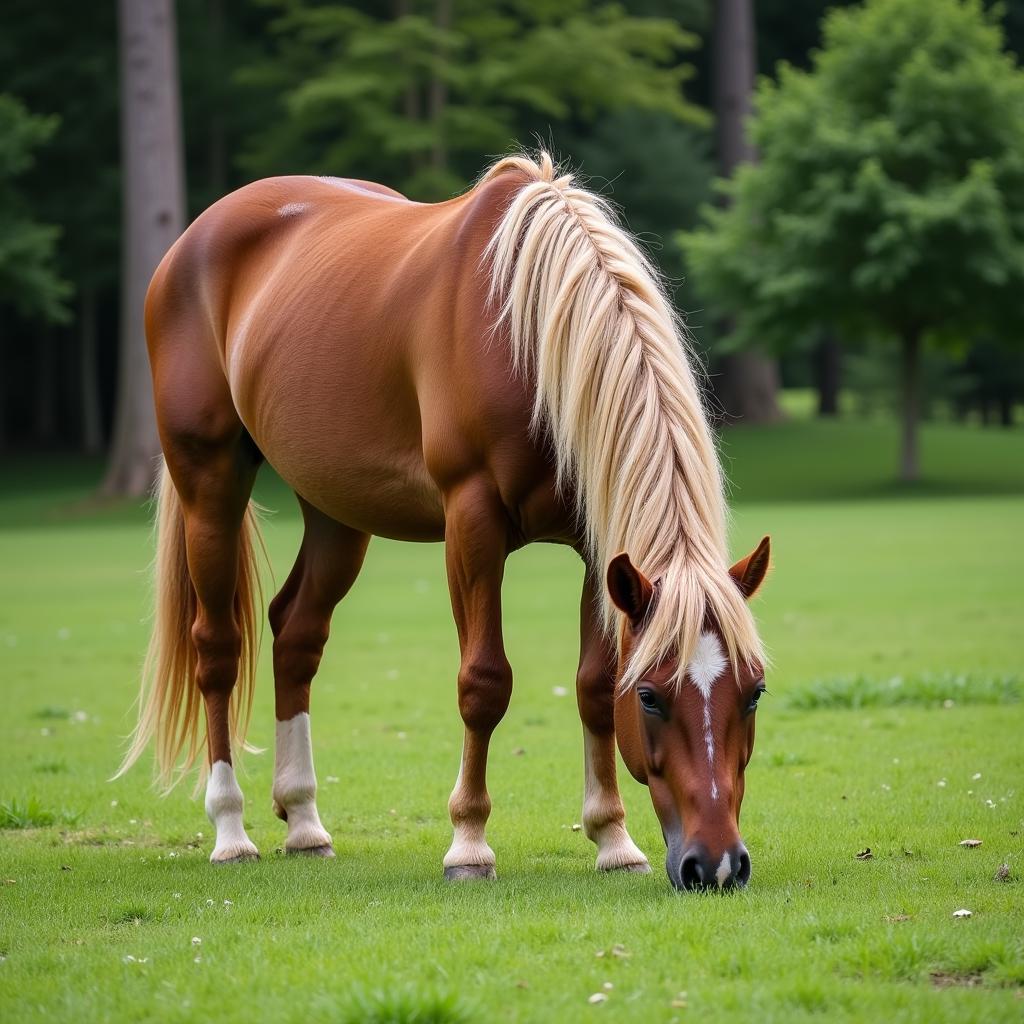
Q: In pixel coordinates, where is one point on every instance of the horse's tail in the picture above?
(169, 700)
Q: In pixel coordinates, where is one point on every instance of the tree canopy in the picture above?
(890, 189)
(28, 276)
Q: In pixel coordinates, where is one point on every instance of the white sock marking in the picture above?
(224, 805)
(295, 784)
(724, 871)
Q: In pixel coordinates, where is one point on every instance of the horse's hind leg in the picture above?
(214, 479)
(604, 818)
(328, 562)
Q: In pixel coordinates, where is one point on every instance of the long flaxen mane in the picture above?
(590, 323)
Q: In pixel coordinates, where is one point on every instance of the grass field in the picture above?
(885, 605)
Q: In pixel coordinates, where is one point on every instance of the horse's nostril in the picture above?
(692, 872)
(743, 871)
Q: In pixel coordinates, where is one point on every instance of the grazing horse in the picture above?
(489, 371)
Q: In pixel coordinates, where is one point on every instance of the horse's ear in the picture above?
(630, 589)
(749, 572)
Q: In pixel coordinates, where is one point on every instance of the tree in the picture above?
(747, 381)
(417, 95)
(153, 217)
(29, 280)
(889, 197)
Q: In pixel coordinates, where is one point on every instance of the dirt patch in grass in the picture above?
(956, 979)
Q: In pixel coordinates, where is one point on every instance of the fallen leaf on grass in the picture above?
(896, 918)
(970, 843)
(619, 950)
(962, 912)
(864, 854)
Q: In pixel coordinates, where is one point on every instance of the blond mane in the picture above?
(589, 321)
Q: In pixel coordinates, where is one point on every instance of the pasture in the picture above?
(893, 722)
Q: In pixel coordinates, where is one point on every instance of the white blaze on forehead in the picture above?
(724, 870)
(706, 665)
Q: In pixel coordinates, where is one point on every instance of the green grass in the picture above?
(98, 915)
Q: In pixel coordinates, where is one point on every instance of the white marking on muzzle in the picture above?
(724, 872)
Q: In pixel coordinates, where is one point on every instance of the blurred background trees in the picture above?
(647, 99)
(888, 201)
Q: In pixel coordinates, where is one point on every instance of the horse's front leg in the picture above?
(476, 545)
(604, 818)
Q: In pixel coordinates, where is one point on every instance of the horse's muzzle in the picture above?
(699, 870)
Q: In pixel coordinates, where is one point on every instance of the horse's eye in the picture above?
(650, 702)
(752, 706)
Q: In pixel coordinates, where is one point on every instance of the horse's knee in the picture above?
(595, 694)
(485, 688)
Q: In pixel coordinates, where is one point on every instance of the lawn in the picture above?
(894, 722)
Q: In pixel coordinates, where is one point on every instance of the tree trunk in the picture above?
(88, 378)
(828, 358)
(910, 379)
(153, 215)
(747, 383)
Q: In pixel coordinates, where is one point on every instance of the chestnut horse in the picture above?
(489, 371)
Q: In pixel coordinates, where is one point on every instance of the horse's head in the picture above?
(690, 744)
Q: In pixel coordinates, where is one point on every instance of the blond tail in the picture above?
(169, 701)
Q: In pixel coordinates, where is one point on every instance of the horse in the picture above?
(490, 371)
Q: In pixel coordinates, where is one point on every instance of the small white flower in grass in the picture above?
(199, 835)
(45, 731)
(229, 903)
(172, 854)
(209, 903)
(962, 912)
(196, 941)
(197, 960)
(976, 776)
(129, 959)
(113, 803)
(80, 716)
(176, 895)
(941, 783)
(947, 703)
(598, 997)
(133, 821)
(331, 778)
(607, 986)
(559, 691)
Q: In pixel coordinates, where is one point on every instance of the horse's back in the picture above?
(350, 329)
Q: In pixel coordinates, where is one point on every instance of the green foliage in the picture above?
(889, 196)
(28, 278)
(30, 813)
(416, 101)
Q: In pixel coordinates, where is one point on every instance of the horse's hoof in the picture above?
(241, 858)
(312, 851)
(638, 869)
(467, 872)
